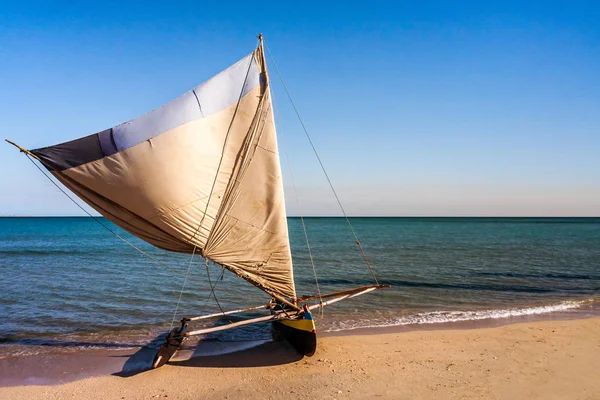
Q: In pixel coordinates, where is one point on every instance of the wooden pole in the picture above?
(228, 312)
(346, 296)
(232, 325)
(284, 301)
(357, 289)
(23, 150)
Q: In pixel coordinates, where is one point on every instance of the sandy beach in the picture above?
(530, 360)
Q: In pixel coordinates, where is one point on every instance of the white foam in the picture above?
(440, 317)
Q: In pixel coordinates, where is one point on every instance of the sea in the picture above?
(69, 283)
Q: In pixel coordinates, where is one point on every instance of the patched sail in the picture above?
(203, 170)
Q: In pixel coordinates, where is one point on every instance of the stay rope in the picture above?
(182, 289)
(305, 233)
(322, 166)
(299, 208)
(212, 287)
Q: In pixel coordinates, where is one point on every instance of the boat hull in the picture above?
(300, 333)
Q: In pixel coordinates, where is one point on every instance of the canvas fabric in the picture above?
(200, 172)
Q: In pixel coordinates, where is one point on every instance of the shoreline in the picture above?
(574, 308)
(530, 360)
(52, 370)
(592, 311)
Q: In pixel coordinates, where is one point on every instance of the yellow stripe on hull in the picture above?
(307, 325)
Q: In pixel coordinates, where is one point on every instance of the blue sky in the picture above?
(416, 109)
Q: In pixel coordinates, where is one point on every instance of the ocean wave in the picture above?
(441, 317)
(53, 252)
(486, 286)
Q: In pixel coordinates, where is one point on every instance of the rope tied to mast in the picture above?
(212, 287)
(312, 262)
(322, 166)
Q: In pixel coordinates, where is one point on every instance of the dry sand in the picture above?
(531, 360)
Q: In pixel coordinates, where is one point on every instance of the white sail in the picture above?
(201, 171)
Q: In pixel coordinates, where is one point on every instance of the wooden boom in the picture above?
(347, 291)
(23, 150)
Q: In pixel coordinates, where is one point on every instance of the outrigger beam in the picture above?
(266, 306)
(232, 325)
(353, 293)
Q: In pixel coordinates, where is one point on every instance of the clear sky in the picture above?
(416, 108)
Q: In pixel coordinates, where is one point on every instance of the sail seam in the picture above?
(198, 100)
(265, 149)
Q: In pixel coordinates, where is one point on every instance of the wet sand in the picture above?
(531, 360)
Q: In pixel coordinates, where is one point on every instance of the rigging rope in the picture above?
(322, 166)
(299, 208)
(212, 288)
(182, 289)
(305, 234)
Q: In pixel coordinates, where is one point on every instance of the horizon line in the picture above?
(349, 216)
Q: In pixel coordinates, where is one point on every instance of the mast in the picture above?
(261, 54)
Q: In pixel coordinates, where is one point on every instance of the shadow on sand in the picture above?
(260, 355)
(141, 360)
(263, 355)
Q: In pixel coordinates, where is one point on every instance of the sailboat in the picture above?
(201, 175)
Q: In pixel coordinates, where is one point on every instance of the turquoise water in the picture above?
(67, 282)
